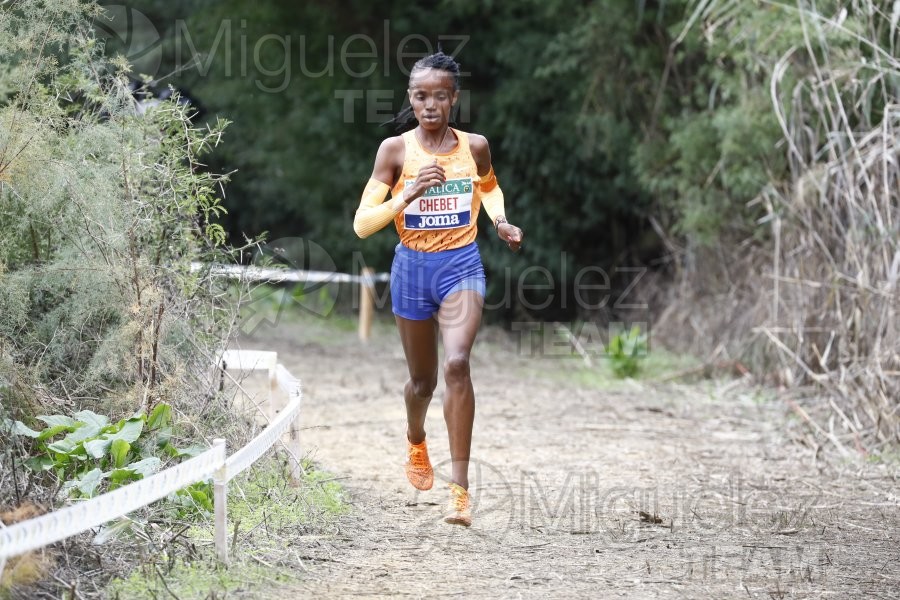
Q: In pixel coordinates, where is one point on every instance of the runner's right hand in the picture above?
(429, 175)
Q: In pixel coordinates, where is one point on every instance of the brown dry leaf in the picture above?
(23, 512)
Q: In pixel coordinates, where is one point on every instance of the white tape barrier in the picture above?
(65, 522)
(254, 273)
(291, 386)
(253, 360)
(248, 360)
(288, 383)
(250, 453)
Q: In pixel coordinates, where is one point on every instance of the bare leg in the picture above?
(459, 318)
(419, 340)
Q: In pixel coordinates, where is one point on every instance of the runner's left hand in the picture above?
(512, 235)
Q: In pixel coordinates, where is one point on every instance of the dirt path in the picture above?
(564, 472)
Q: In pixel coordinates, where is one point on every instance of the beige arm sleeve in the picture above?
(374, 213)
(491, 196)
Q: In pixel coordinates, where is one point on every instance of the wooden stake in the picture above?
(366, 303)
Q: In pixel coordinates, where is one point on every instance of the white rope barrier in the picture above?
(250, 360)
(291, 386)
(250, 453)
(255, 273)
(366, 282)
(66, 522)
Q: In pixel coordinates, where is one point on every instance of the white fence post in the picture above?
(220, 505)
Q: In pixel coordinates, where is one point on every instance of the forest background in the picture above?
(732, 164)
(724, 172)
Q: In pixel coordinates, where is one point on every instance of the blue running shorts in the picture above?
(421, 280)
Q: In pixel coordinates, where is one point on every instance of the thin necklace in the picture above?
(441, 145)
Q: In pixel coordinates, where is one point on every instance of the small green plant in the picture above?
(89, 453)
(625, 351)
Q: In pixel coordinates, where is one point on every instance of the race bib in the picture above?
(445, 206)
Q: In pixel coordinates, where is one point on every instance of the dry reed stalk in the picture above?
(818, 304)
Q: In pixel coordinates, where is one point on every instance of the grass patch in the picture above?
(198, 579)
(657, 364)
(264, 496)
(267, 518)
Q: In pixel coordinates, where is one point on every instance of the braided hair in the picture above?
(405, 120)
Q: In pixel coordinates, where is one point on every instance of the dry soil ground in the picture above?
(583, 487)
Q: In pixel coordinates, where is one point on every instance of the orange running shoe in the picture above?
(418, 467)
(460, 510)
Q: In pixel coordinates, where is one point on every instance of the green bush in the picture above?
(103, 210)
(89, 454)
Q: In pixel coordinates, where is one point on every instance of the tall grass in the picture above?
(816, 303)
(836, 254)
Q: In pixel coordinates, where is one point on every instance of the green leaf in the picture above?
(98, 448)
(88, 483)
(146, 467)
(85, 432)
(120, 476)
(159, 416)
(78, 452)
(51, 431)
(190, 451)
(21, 429)
(40, 463)
(89, 417)
(118, 450)
(63, 446)
(110, 532)
(123, 474)
(54, 420)
(130, 430)
(201, 498)
(163, 435)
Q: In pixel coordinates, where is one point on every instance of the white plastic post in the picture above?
(220, 502)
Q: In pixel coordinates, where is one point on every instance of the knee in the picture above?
(456, 369)
(423, 387)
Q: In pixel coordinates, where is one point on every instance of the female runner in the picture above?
(439, 178)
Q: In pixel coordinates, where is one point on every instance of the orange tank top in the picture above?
(445, 216)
